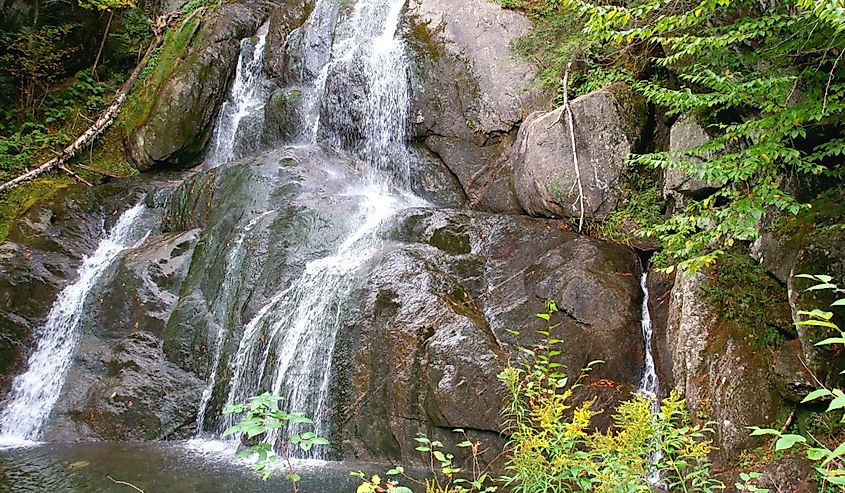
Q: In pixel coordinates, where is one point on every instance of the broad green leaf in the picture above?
(763, 431)
(815, 395)
(831, 340)
(816, 453)
(836, 403)
(787, 441)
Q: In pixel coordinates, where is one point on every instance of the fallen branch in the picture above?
(75, 175)
(98, 171)
(125, 483)
(106, 119)
(570, 123)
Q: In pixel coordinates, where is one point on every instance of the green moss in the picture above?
(451, 240)
(642, 207)
(426, 36)
(109, 157)
(746, 294)
(20, 199)
(173, 50)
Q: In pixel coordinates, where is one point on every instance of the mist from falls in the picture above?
(286, 348)
(35, 392)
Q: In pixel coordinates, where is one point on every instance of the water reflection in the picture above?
(155, 468)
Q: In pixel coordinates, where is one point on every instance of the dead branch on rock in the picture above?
(107, 118)
(571, 125)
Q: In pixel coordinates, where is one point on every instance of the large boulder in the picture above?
(175, 130)
(685, 134)
(608, 126)
(142, 396)
(714, 367)
(809, 243)
(437, 316)
(471, 92)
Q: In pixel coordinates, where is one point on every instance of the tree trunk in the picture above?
(102, 43)
(105, 120)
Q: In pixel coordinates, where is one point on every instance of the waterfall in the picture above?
(34, 393)
(222, 307)
(649, 384)
(241, 117)
(287, 346)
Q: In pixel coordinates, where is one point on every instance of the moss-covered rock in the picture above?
(714, 366)
(169, 119)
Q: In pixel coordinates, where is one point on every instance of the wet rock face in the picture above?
(469, 93)
(430, 332)
(180, 122)
(283, 20)
(41, 255)
(722, 378)
(142, 397)
(608, 125)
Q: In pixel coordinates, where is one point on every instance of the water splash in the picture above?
(35, 392)
(237, 131)
(372, 120)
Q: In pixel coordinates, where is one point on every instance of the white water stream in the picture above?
(245, 104)
(34, 393)
(287, 346)
(650, 383)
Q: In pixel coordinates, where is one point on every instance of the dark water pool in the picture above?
(155, 468)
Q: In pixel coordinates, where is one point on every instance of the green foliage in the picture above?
(643, 207)
(262, 416)
(554, 448)
(828, 459)
(195, 4)
(557, 40)
(34, 57)
(769, 82)
(746, 294)
(102, 5)
(446, 476)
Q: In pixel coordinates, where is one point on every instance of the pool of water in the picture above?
(161, 467)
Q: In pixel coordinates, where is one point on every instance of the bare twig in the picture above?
(102, 43)
(75, 175)
(115, 481)
(571, 125)
(830, 80)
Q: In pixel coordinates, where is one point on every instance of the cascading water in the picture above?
(234, 262)
(35, 392)
(244, 108)
(650, 383)
(287, 346)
